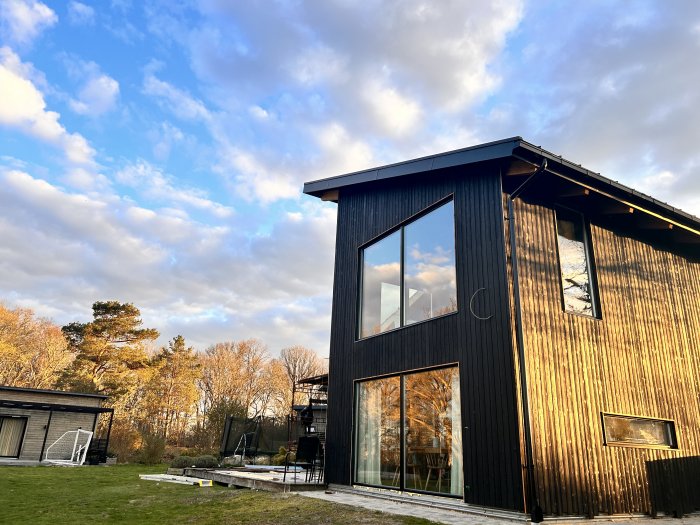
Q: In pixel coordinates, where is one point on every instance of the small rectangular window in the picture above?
(577, 282)
(639, 431)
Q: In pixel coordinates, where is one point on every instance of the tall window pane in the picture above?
(377, 442)
(432, 432)
(430, 285)
(577, 287)
(381, 286)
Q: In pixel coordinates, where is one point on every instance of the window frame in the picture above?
(402, 411)
(400, 228)
(590, 264)
(24, 432)
(670, 428)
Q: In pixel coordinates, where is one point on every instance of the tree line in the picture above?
(173, 394)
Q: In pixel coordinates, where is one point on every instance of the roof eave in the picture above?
(483, 152)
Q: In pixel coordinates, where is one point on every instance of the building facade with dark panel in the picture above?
(514, 331)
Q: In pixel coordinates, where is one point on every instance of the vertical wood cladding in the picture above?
(641, 358)
(492, 469)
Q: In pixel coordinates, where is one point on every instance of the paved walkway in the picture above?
(452, 517)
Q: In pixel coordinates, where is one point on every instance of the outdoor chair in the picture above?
(306, 457)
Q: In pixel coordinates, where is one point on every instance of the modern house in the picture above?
(515, 331)
(31, 420)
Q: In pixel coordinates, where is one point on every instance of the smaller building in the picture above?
(32, 419)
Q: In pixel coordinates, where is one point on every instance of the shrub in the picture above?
(206, 462)
(124, 441)
(278, 459)
(182, 462)
(152, 449)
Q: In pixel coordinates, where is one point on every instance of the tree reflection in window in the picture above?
(574, 264)
(630, 430)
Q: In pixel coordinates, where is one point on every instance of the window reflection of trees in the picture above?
(620, 429)
(432, 432)
(378, 431)
(573, 262)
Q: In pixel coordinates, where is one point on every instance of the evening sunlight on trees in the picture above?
(169, 397)
(33, 351)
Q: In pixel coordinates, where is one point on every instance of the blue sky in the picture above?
(155, 154)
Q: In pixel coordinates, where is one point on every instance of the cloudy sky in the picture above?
(154, 151)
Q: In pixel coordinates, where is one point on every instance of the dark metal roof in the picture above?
(52, 407)
(510, 149)
(483, 152)
(314, 380)
(43, 391)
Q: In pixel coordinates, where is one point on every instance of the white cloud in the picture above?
(153, 183)
(97, 96)
(98, 92)
(22, 106)
(23, 20)
(62, 251)
(176, 101)
(80, 14)
(164, 138)
(395, 113)
(341, 153)
(257, 180)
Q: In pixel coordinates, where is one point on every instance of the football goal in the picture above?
(70, 449)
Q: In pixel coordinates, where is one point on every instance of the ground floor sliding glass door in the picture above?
(408, 432)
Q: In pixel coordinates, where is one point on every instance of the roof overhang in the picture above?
(52, 407)
(519, 159)
(53, 392)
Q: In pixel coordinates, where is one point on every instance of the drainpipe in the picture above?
(536, 513)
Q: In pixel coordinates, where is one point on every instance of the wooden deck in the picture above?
(259, 479)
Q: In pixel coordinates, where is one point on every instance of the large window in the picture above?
(409, 275)
(577, 279)
(408, 432)
(638, 431)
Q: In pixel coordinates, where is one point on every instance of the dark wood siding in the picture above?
(483, 350)
(642, 358)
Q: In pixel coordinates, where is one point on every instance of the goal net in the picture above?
(70, 449)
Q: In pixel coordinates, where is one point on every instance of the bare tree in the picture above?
(300, 362)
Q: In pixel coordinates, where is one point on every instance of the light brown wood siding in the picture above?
(642, 358)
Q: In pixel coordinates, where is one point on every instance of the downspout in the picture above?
(533, 503)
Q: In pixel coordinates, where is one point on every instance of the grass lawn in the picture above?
(96, 495)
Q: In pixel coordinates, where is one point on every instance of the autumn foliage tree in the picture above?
(175, 395)
(232, 382)
(33, 351)
(171, 394)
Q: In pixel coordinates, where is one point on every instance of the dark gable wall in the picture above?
(492, 468)
(641, 358)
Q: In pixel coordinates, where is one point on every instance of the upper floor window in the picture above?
(409, 275)
(575, 254)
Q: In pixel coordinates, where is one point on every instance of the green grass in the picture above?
(97, 495)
